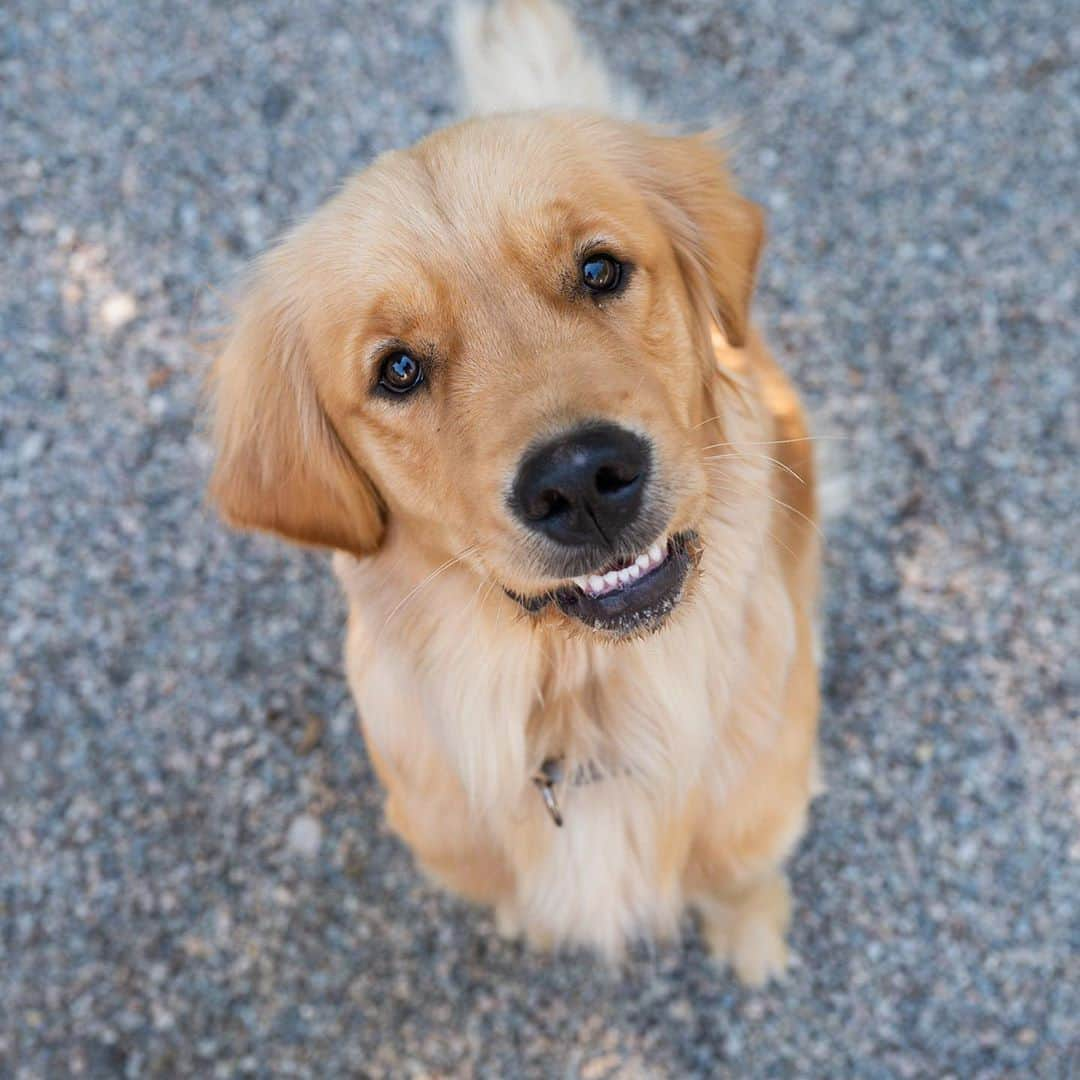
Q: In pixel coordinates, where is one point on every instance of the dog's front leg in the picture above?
(747, 928)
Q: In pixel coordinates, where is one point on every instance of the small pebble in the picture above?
(118, 310)
(304, 836)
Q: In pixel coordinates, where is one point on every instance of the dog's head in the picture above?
(498, 340)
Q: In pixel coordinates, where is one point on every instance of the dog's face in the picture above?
(498, 341)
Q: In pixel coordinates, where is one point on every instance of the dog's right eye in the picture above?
(601, 273)
(401, 372)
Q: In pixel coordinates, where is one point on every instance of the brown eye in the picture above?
(401, 372)
(601, 273)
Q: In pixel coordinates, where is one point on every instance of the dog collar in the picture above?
(552, 771)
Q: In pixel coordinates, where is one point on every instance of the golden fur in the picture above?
(705, 729)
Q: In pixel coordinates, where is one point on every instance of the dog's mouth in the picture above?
(627, 596)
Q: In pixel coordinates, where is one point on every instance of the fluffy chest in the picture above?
(610, 873)
(463, 710)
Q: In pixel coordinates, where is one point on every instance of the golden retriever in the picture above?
(509, 376)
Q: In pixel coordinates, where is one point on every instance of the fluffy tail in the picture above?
(528, 54)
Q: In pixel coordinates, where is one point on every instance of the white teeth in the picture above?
(601, 584)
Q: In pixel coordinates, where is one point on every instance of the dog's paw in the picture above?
(511, 925)
(507, 922)
(748, 931)
(759, 954)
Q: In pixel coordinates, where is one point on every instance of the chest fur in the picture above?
(669, 720)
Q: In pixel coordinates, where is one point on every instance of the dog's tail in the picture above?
(528, 54)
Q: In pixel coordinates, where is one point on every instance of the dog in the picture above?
(509, 376)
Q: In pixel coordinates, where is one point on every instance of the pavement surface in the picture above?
(194, 876)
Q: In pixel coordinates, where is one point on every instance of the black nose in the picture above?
(584, 487)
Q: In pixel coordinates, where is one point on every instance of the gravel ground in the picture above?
(195, 878)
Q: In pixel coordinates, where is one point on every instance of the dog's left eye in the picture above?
(601, 273)
(401, 372)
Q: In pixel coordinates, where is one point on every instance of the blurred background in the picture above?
(194, 875)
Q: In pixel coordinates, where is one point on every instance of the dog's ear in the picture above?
(717, 234)
(280, 464)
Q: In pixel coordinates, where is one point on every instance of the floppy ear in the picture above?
(281, 465)
(717, 234)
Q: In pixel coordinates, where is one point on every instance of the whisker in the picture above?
(779, 442)
(768, 532)
(427, 580)
(779, 464)
(492, 585)
(476, 601)
(776, 540)
(779, 502)
(707, 420)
